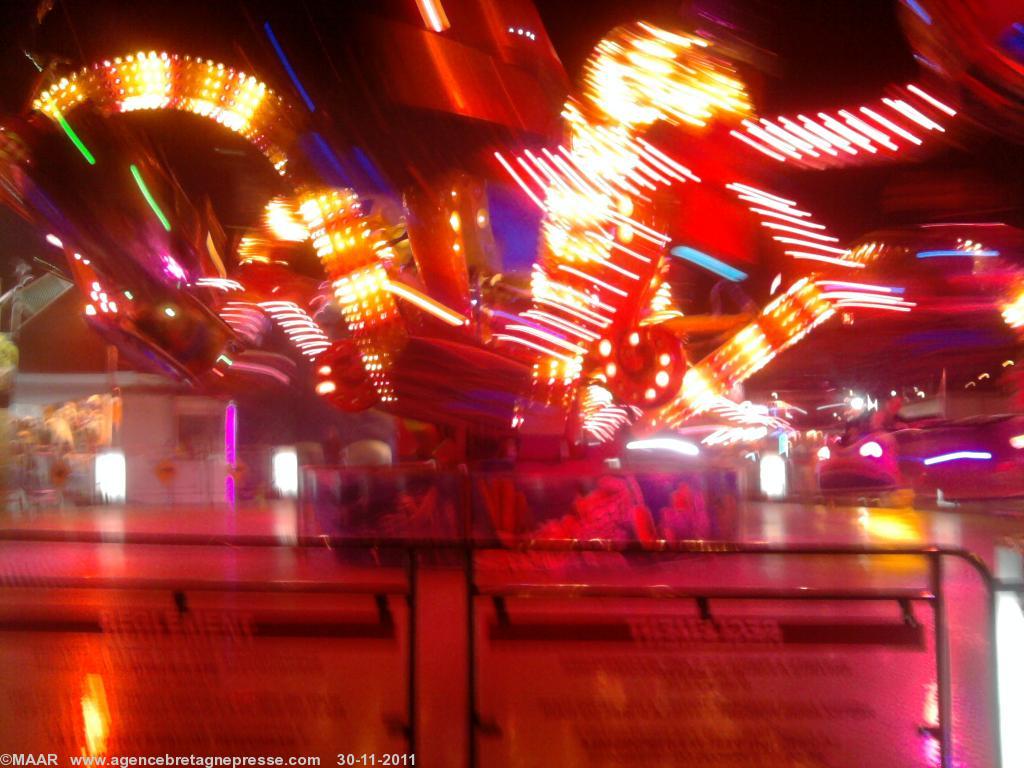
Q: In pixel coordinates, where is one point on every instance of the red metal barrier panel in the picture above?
(153, 672)
(643, 682)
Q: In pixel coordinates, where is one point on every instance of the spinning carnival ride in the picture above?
(662, 123)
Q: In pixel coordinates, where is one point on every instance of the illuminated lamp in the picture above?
(111, 476)
(871, 449)
(285, 471)
(824, 453)
(773, 476)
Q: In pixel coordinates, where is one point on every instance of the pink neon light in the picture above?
(230, 450)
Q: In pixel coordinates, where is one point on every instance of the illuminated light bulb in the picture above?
(824, 453)
(54, 241)
(611, 369)
(90, 309)
(324, 370)
(871, 449)
(170, 312)
(665, 359)
(650, 394)
(634, 339)
(326, 387)
(604, 347)
(661, 379)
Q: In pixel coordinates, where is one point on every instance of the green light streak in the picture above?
(149, 198)
(79, 144)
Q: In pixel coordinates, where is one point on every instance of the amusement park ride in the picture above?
(663, 161)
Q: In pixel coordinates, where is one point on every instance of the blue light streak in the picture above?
(939, 254)
(921, 12)
(710, 263)
(288, 67)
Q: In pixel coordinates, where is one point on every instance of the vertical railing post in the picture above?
(993, 665)
(413, 643)
(471, 654)
(942, 661)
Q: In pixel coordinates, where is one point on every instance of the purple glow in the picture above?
(174, 269)
(230, 450)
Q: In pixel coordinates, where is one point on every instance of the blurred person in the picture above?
(887, 418)
(332, 447)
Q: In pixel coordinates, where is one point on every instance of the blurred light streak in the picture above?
(149, 197)
(732, 435)
(79, 144)
(798, 231)
(433, 14)
(810, 244)
(427, 304)
(958, 455)
(826, 259)
(532, 345)
(558, 341)
(889, 526)
(220, 283)
(282, 219)
(709, 263)
(787, 217)
(747, 140)
(890, 125)
(590, 278)
(939, 254)
(918, 117)
(671, 444)
(261, 370)
(300, 328)
(918, 10)
(522, 184)
(870, 305)
(861, 286)
(1013, 311)
(931, 100)
(288, 67)
(847, 132)
(95, 715)
(857, 124)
